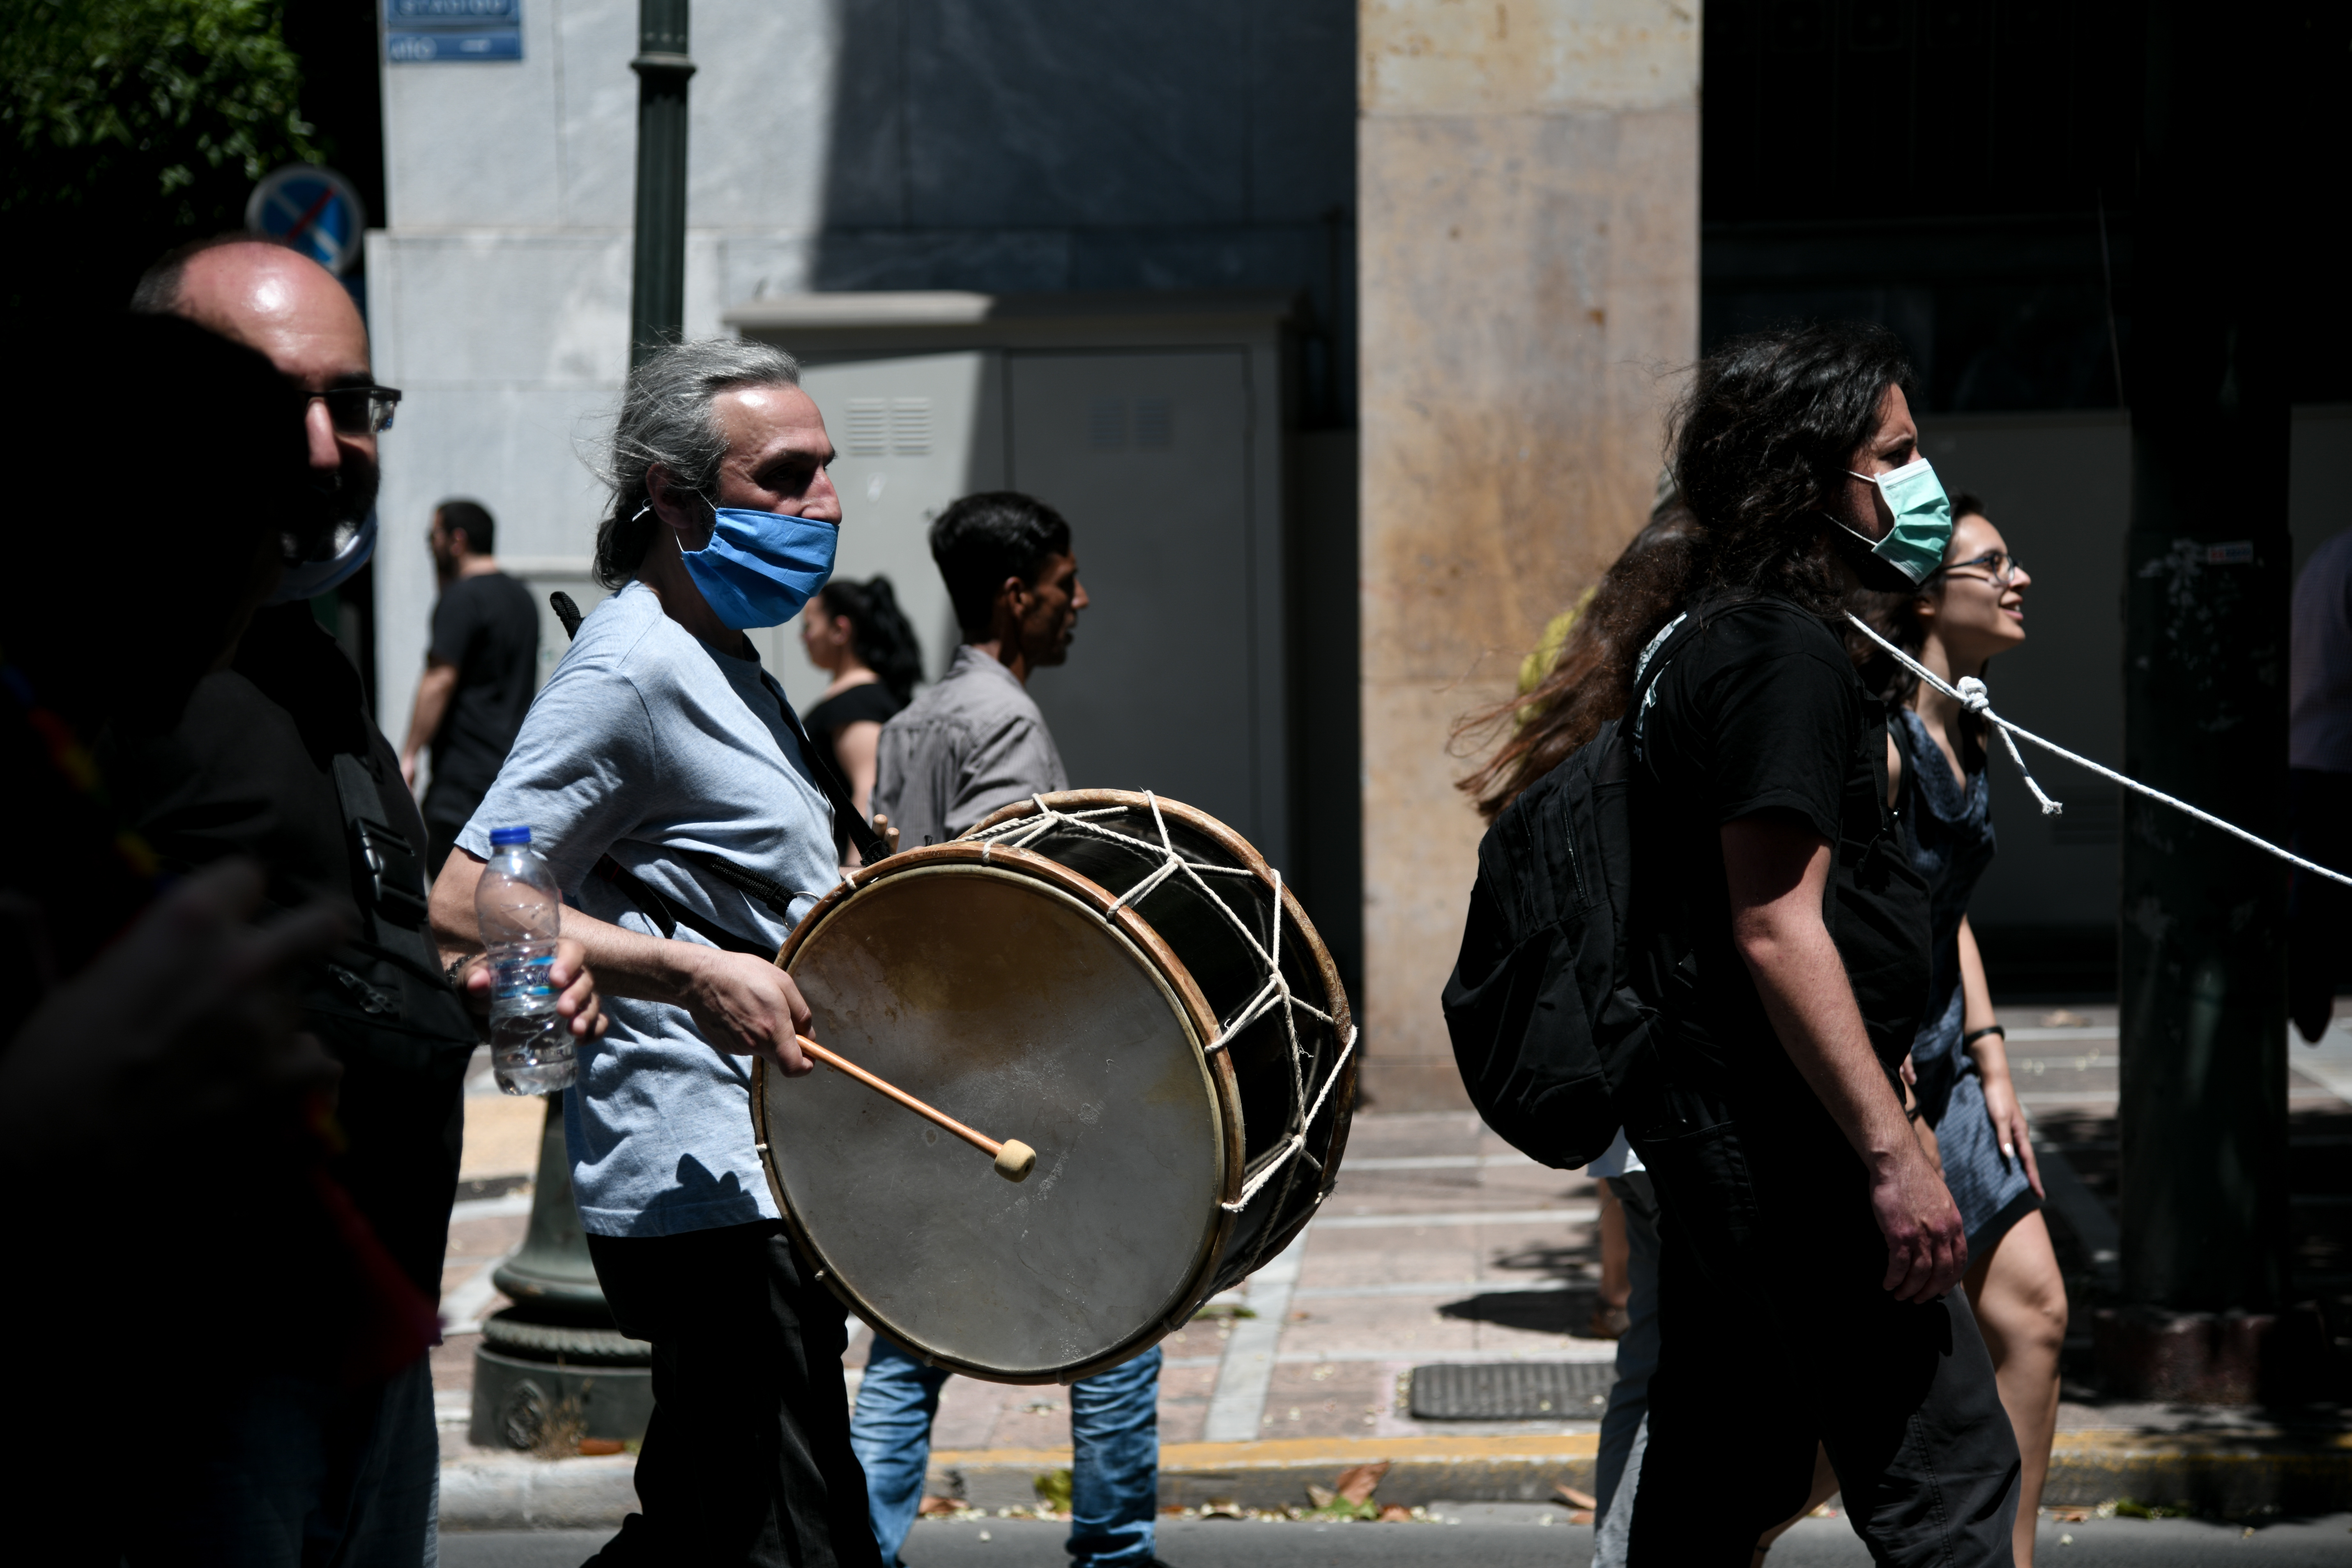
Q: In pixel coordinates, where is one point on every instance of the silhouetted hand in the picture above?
(1927, 1246)
(179, 1022)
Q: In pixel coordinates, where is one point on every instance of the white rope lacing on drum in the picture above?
(1972, 694)
(1019, 833)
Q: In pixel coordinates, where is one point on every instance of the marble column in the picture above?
(1527, 179)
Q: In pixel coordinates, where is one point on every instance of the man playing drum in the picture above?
(664, 773)
(967, 745)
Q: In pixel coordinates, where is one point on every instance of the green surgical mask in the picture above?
(1915, 546)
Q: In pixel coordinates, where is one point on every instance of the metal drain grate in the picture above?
(1513, 1391)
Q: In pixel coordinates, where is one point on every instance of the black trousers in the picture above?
(1775, 1333)
(747, 1457)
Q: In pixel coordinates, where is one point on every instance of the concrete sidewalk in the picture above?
(1441, 1244)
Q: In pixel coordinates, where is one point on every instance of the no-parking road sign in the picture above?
(314, 210)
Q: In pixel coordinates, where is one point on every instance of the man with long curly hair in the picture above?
(1810, 1247)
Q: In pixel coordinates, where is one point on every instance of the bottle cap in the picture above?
(500, 837)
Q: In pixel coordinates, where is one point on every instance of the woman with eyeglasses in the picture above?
(1970, 609)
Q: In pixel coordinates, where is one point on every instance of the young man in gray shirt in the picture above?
(975, 741)
(967, 745)
(659, 748)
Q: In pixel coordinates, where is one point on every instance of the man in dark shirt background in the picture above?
(480, 675)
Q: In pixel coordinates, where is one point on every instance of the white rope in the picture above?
(1021, 832)
(1971, 694)
(1298, 1140)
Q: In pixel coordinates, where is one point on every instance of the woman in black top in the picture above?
(854, 631)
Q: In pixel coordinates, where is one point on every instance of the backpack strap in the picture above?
(1670, 640)
(869, 844)
(391, 898)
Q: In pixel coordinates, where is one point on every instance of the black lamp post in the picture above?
(554, 1367)
(2201, 937)
(657, 280)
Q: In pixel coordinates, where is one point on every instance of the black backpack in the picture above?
(1549, 1039)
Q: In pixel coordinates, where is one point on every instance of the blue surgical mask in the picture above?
(343, 554)
(760, 567)
(1915, 546)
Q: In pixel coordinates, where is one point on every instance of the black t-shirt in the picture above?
(1759, 710)
(489, 627)
(868, 703)
(237, 1182)
(249, 771)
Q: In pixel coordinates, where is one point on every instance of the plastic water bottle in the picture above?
(520, 912)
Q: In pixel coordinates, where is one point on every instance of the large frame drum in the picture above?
(1120, 982)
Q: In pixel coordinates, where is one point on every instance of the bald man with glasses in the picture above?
(277, 758)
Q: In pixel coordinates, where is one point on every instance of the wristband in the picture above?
(1973, 1035)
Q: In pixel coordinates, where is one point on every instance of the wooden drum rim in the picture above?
(1241, 850)
(1169, 970)
(1200, 822)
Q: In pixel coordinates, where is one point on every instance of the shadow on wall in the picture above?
(1060, 145)
(1056, 147)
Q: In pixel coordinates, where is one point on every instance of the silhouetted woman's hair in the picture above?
(1763, 440)
(878, 632)
(1588, 683)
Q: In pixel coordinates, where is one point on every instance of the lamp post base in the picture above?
(527, 1400)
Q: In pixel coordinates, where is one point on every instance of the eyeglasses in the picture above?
(360, 410)
(2003, 567)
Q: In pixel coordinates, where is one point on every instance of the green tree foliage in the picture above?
(130, 126)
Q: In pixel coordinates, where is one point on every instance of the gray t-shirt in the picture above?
(963, 748)
(647, 741)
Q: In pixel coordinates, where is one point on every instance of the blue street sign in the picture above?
(314, 210)
(414, 48)
(418, 32)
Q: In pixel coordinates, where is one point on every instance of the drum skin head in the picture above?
(999, 994)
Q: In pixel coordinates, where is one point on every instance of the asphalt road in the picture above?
(1491, 1535)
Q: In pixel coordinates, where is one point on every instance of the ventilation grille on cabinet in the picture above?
(910, 426)
(869, 427)
(1107, 423)
(1155, 424)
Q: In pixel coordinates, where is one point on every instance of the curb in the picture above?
(519, 1492)
(1272, 1472)
(2224, 1473)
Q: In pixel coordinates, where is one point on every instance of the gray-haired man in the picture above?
(658, 749)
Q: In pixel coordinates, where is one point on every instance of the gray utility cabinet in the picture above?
(1156, 424)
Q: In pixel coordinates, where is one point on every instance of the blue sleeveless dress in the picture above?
(1948, 832)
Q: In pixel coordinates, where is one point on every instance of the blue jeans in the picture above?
(1114, 1429)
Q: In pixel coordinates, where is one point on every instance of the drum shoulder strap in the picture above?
(870, 846)
(744, 880)
(667, 914)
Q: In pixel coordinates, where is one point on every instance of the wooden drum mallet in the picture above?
(1014, 1160)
